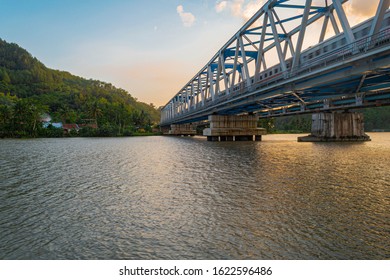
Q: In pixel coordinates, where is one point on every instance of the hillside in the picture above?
(28, 90)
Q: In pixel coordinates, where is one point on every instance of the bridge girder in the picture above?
(271, 37)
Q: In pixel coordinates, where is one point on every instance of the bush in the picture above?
(87, 132)
(51, 132)
(107, 130)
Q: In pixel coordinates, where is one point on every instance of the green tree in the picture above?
(4, 77)
(94, 111)
(26, 118)
(268, 124)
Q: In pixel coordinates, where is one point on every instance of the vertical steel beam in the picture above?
(260, 53)
(173, 108)
(185, 102)
(219, 71)
(207, 88)
(246, 69)
(301, 35)
(201, 91)
(198, 95)
(212, 93)
(192, 96)
(223, 69)
(235, 62)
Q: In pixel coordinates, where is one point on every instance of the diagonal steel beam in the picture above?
(344, 21)
(380, 14)
(301, 35)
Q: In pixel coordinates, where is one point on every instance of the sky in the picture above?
(149, 48)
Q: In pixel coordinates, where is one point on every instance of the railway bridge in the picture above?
(292, 57)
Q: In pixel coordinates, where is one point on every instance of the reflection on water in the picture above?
(186, 198)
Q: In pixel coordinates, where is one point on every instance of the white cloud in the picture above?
(239, 8)
(359, 10)
(236, 7)
(220, 6)
(251, 8)
(188, 19)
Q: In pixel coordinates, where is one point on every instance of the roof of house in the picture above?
(92, 125)
(70, 126)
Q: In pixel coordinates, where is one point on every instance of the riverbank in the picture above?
(141, 134)
(74, 134)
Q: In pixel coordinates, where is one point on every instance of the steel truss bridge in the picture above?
(268, 68)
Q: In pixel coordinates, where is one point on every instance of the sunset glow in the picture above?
(149, 48)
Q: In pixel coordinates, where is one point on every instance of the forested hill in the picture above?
(28, 90)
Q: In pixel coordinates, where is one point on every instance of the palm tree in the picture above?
(94, 110)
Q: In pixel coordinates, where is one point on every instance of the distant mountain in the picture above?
(26, 83)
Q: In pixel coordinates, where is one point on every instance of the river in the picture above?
(186, 198)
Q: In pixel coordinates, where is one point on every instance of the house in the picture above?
(92, 123)
(57, 125)
(47, 124)
(69, 127)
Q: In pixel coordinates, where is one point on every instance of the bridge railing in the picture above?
(330, 58)
(344, 53)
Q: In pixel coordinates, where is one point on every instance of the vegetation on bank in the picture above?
(295, 124)
(375, 119)
(29, 90)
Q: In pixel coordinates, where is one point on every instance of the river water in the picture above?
(186, 198)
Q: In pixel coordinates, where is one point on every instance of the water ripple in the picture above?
(186, 198)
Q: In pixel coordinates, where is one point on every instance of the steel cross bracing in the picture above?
(268, 68)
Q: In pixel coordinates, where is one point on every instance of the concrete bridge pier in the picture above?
(233, 128)
(336, 127)
(182, 129)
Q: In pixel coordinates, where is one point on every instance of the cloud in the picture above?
(220, 6)
(239, 8)
(236, 7)
(363, 7)
(251, 8)
(188, 19)
(360, 10)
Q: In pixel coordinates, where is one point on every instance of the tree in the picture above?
(268, 124)
(4, 77)
(26, 118)
(94, 110)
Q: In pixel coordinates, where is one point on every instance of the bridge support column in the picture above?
(336, 127)
(233, 128)
(182, 129)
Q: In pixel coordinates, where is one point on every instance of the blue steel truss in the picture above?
(268, 68)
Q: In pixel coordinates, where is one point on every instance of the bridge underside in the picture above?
(357, 91)
(341, 89)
